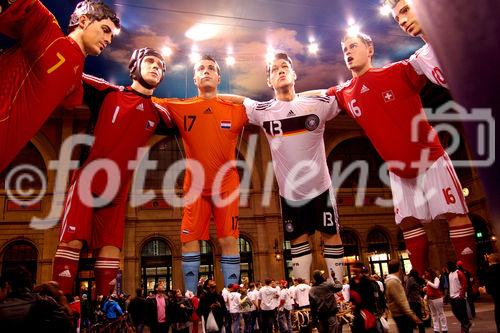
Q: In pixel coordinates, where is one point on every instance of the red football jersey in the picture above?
(386, 103)
(126, 120)
(43, 70)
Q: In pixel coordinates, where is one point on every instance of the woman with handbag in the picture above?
(435, 299)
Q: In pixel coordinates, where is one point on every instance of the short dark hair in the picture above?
(95, 10)
(394, 266)
(207, 57)
(19, 278)
(277, 56)
(268, 281)
(452, 266)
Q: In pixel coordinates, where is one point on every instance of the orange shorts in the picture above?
(196, 218)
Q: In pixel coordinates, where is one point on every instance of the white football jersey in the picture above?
(294, 131)
(425, 62)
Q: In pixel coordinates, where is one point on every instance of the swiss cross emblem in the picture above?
(388, 96)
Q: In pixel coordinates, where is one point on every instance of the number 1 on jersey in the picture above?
(189, 122)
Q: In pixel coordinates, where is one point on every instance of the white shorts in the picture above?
(435, 192)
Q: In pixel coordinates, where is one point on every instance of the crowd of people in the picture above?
(362, 301)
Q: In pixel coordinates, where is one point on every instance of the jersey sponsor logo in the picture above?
(140, 107)
(226, 124)
(364, 89)
(467, 250)
(290, 114)
(150, 124)
(208, 111)
(65, 273)
(388, 96)
(291, 126)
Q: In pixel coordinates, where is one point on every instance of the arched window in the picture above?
(20, 253)
(380, 252)
(207, 260)
(246, 259)
(156, 265)
(351, 250)
(85, 280)
(287, 259)
(403, 253)
(165, 153)
(31, 156)
(354, 150)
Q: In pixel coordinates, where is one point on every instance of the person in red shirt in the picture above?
(210, 128)
(94, 211)
(385, 102)
(44, 68)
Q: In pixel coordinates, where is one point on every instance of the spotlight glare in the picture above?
(230, 60)
(385, 10)
(194, 57)
(166, 51)
(270, 54)
(202, 31)
(313, 48)
(351, 21)
(353, 30)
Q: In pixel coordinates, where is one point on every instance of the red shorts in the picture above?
(196, 218)
(97, 226)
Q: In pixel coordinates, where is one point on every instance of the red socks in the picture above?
(463, 240)
(417, 245)
(105, 275)
(65, 268)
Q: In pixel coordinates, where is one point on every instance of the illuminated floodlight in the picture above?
(202, 31)
(313, 48)
(353, 30)
(195, 55)
(385, 10)
(116, 32)
(166, 51)
(270, 54)
(351, 21)
(230, 60)
(312, 39)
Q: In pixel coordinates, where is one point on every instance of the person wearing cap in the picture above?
(323, 302)
(122, 121)
(458, 295)
(44, 67)
(285, 308)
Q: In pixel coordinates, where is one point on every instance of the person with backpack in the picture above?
(323, 302)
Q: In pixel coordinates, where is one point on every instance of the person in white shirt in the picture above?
(234, 302)
(346, 294)
(285, 308)
(458, 289)
(301, 296)
(268, 297)
(435, 299)
(250, 315)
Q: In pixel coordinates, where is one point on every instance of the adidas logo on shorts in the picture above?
(233, 276)
(65, 273)
(467, 250)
